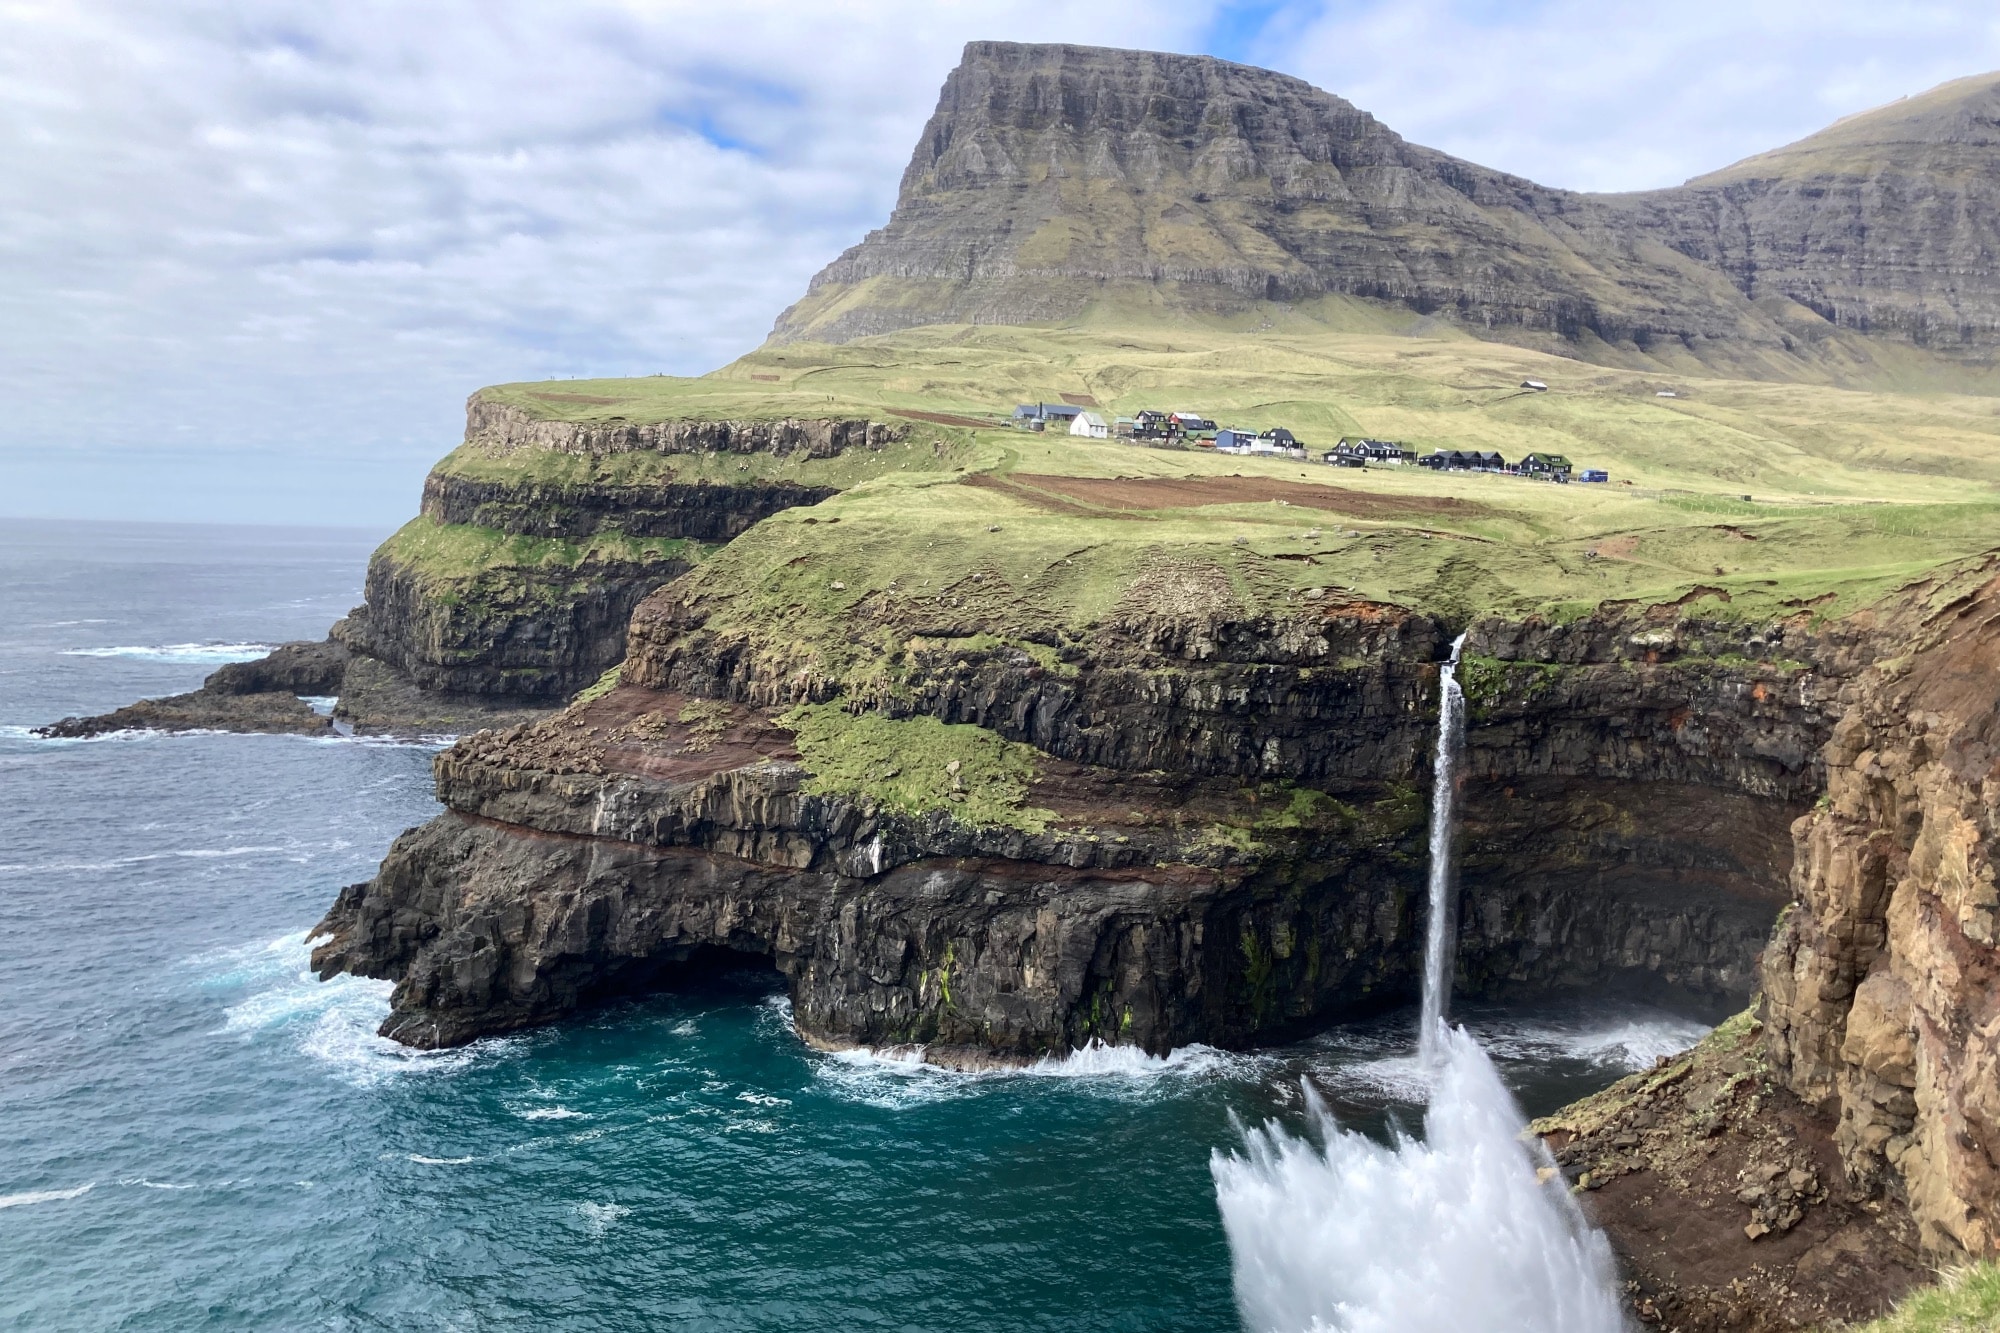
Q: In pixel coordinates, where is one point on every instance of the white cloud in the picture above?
(1618, 95)
(254, 255)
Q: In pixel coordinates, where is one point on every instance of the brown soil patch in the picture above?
(1616, 548)
(1079, 494)
(945, 419)
(594, 399)
(653, 734)
(1079, 400)
(1724, 1197)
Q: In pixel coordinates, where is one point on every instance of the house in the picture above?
(1231, 440)
(1151, 425)
(1277, 442)
(1038, 416)
(1191, 423)
(1348, 453)
(1091, 425)
(1594, 474)
(1385, 452)
(1464, 460)
(1124, 429)
(1553, 466)
(1535, 386)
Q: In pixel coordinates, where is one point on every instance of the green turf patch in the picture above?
(1965, 1300)
(918, 765)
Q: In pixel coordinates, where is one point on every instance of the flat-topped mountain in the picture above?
(1058, 183)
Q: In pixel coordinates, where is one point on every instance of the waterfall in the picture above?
(1440, 935)
(1471, 1230)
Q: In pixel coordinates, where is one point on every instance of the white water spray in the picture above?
(1441, 933)
(1471, 1230)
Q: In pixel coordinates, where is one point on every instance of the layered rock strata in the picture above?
(1054, 178)
(502, 427)
(701, 511)
(445, 648)
(1883, 982)
(503, 634)
(1223, 842)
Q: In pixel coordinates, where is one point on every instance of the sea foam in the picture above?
(1471, 1230)
(180, 654)
(32, 1197)
(332, 1022)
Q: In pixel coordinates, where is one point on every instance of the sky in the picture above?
(254, 254)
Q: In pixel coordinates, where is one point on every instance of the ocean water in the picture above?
(197, 1134)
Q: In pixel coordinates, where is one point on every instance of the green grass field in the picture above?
(1849, 494)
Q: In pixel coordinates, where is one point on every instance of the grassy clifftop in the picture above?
(984, 529)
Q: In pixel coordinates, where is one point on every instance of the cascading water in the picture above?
(1470, 1230)
(1441, 932)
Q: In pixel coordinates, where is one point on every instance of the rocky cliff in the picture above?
(1053, 181)
(1883, 983)
(1190, 829)
(514, 586)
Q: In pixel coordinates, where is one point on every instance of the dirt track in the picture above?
(942, 419)
(1082, 494)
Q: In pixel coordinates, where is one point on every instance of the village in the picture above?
(1193, 430)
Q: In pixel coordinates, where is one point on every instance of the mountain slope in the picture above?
(1886, 223)
(1057, 183)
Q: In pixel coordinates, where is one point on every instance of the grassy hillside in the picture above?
(1966, 1300)
(1769, 497)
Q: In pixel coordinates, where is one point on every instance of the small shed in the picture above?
(1534, 386)
(1090, 425)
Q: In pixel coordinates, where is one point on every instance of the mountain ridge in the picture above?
(1059, 183)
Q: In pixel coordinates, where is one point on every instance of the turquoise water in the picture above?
(199, 1135)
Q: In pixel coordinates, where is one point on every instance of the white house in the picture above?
(1090, 424)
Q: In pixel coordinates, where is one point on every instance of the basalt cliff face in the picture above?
(464, 626)
(1054, 180)
(1226, 842)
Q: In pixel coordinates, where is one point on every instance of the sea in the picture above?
(196, 1133)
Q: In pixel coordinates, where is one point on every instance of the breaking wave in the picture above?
(331, 1022)
(32, 1197)
(181, 654)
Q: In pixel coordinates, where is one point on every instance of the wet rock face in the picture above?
(1883, 983)
(975, 959)
(1161, 903)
